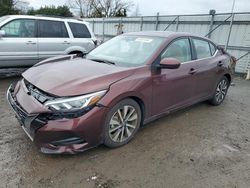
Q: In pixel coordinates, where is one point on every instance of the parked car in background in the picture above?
(122, 84)
(27, 40)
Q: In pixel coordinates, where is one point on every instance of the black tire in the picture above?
(78, 54)
(220, 92)
(131, 106)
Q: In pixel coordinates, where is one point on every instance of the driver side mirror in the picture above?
(2, 33)
(170, 63)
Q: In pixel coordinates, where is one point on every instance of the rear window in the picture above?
(79, 30)
(52, 29)
(202, 48)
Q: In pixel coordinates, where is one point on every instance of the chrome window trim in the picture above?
(201, 58)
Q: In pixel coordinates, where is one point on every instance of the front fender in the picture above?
(139, 87)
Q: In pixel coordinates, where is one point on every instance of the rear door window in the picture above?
(202, 48)
(79, 30)
(20, 28)
(52, 29)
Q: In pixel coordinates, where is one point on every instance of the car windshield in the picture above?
(128, 51)
(3, 18)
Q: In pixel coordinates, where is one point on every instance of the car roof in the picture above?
(44, 17)
(165, 34)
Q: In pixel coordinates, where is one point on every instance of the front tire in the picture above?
(220, 92)
(122, 123)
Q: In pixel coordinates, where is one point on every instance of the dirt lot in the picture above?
(202, 146)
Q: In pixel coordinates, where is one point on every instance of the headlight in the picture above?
(75, 103)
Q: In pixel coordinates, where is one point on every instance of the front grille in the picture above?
(38, 94)
(30, 121)
(68, 141)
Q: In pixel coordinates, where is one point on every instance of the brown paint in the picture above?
(160, 90)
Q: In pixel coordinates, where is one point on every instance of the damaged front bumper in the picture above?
(56, 133)
(29, 122)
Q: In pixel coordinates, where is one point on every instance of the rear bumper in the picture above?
(61, 135)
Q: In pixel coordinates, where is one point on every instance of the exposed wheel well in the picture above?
(77, 52)
(228, 77)
(142, 106)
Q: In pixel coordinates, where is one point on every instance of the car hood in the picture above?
(75, 77)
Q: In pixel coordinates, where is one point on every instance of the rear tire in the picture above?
(220, 92)
(122, 123)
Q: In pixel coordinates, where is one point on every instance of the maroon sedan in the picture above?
(68, 104)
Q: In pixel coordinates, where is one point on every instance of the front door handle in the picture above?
(220, 63)
(30, 42)
(192, 71)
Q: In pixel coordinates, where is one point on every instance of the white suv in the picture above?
(26, 40)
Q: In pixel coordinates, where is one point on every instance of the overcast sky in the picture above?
(151, 7)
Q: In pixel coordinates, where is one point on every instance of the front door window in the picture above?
(20, 28)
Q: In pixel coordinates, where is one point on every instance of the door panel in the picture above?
(52, 47)
(207, 76)
(207, 68)
(18, 47)
(173, 89)
(16, 52)
(53, 38)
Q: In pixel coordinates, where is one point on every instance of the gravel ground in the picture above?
(202, 146)
(4, 73)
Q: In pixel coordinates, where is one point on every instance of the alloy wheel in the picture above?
(123, 123)
(221, 91)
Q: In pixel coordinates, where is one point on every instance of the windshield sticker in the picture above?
(147, 40)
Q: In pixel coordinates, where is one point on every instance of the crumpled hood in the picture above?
(75, 77)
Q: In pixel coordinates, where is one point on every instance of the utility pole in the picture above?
(233, 6)
(231, 25)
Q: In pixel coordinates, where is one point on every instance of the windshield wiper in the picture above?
(103, 61)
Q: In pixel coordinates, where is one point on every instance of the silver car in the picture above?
(26, 40)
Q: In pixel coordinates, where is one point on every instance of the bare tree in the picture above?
(78, 4)
(112, 8)
(84, 7)
(101, 8)
(22, 6)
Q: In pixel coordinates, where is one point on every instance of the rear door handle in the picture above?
(192, 71)
(66, 42)
(30, 42)
(220, 63)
